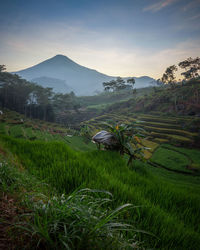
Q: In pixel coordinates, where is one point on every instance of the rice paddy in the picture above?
(168, 202)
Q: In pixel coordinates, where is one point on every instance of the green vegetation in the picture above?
(171, 159)
(174, 129)
(159, 197)
(44, 164)
(165, 189)
(119, 84)
(125, 140)
(35, 130)
(33, 100)
(80, 220)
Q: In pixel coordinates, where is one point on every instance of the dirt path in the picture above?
(8, 212)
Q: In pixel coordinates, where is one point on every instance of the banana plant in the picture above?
(128, 138)
(85, 132)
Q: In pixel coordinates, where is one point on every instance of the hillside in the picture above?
(168, 115)
(82, 80)
(57, 85)
(39, 159)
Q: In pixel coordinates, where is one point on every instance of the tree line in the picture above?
(33, 100)
(191, 67)
(119, 84)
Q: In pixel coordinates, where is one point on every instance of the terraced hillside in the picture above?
(158, 129)
(17, 126)
(164, 189)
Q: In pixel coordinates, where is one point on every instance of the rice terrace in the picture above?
(91, 160)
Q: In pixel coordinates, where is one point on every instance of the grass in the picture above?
(32, 133)
(169, 131)
(170, 159)
(162, 125)
(79, 221)
(167, 210)
(168, 202)
(159, 127)
(16, 131)
(193, 154)
(176, 139)
(82, 220)
(181, 159)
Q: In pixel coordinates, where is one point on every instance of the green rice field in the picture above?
(167, 195)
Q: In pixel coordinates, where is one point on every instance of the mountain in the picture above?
(56, 84)
(144, 81)
(82, 80)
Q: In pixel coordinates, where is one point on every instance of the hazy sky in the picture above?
(126, 37)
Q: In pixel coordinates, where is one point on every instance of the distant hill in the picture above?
(144, 81)
(56, 84)
(82, 80)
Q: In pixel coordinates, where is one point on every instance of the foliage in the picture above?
(159, 192)
(2, 68)
(25, 97)
(171, 159)
(85, 132)
(168, 76)
(33, 100)
(179, 100)
(81, 220)
(119, 84)
(192, 67)
(126, 135)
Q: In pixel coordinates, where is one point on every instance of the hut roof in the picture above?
(105, 138)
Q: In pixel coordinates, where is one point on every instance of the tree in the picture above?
(159, 82)
(134, 92)
(44, 96)
(14, 91)
(169, 77)
(2, 68)
(25, 97)
(118, 84)
(131, 81)
(192, 67)
(109, 85)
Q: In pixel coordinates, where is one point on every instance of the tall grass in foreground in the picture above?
(81, 220)
(168, 210)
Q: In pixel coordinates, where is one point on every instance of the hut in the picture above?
(107, 139)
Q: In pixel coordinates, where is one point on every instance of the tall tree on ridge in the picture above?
(192, 67)
(169, 77)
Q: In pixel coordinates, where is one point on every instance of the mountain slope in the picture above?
(83, 80)
(56, 84)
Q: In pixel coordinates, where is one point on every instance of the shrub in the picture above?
(128, 142)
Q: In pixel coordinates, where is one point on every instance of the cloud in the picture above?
(159, 61)
(191, 5)
(194, 17)
(105, 53)
(159, 5)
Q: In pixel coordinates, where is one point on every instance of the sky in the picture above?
(117, 38)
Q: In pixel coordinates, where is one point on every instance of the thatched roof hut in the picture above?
(105, 138)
